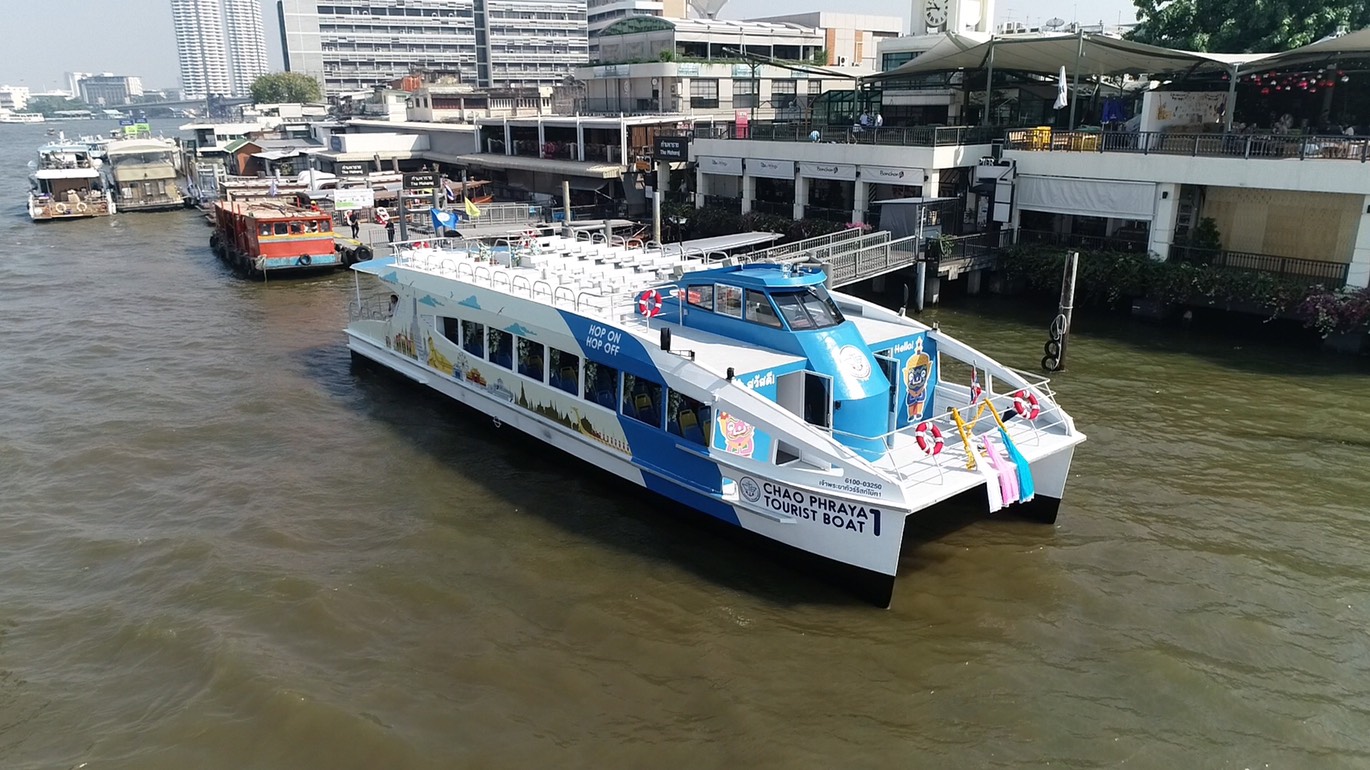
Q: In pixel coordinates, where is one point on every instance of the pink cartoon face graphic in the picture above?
(737, 435)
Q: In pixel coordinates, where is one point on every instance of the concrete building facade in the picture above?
(201, 47)
(246, 44)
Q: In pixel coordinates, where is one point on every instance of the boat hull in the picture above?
(874, 585)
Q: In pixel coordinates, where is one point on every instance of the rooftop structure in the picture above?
(647, 38)
(848, 39)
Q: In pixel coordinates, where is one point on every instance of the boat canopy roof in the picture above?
(762, 277)
(66, 173)
(48, 149)
(138, 145)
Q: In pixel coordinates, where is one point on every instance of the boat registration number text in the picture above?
(808, 506)
(603, 339)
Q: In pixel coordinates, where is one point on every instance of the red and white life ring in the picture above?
(929, 438)
(1026, 405)
(649, 304)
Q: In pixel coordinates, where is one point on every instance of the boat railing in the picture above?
(368, 310)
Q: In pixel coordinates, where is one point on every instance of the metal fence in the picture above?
(1071, 240)
(1198, 145)
(900, 136)
(1331, 273)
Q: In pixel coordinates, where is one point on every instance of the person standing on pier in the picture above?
(351, 218)
(383, 218)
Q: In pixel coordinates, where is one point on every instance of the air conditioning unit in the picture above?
(675, 89)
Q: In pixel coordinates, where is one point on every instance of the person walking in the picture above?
(351, 218)
(383, 219)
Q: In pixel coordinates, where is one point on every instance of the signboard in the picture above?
(351, 169)
(770, 169)
(687, 70)
(1162, 110)
(843, 171)
(672, 148)
(743, 72)
(709, 164)
(126, 121)
(423, 180)
(741, 124)
(358, 198)
(891, 175)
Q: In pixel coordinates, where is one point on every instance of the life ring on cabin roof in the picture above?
(929, 438)
(1026, 405)
(649, 304)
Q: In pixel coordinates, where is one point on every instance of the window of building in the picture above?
(700, 296)
(501, 348)
(565, 370)
(704, 92)
(473, 338)
(759, 309)
(783, 93)
(601, 384)
(530, 359)
(745, 93)
(687, 417)
(642, 400)
(728, 300)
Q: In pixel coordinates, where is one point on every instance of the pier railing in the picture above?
(1302, 147)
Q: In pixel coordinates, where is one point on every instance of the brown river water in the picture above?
(225, 547)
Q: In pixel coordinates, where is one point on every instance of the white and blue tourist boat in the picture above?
(746, 391)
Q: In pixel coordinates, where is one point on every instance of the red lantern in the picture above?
(1265, 91)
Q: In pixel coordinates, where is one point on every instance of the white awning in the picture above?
(67, 173)
(543, 165)
(1087, 197)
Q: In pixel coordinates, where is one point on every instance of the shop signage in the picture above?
(351, 169)
(770, 169)
(424, 180)
(672, 148)
(891, 175)
(844, 171)
(690, 70)
(709, 164)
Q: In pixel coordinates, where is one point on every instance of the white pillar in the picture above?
(1359, 275)
(859, 203)
(508, 139)
(701, 187)
(801, 195)
(1163, 217)
(542, 137)
(580, 141)
(932, 183)
(748, 192)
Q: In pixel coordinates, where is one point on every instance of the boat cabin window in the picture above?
(759, 309)
(473, 338)
(565, 369)
(700, 296)
(282, 228)
(265, 229)
(808, 308)
(451, 329)
(530, 359)
(501, 348)
(642, 400)
(687, 417)
(728, 300)
(297, 227)
(311, 226)
(325, 225)
(601, 384)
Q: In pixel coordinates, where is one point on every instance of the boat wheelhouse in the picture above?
(269, 237)
(66, 184)
(746, 391)
(144, 173)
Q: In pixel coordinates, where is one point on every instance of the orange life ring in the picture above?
(1026, 405)
(929, 438)
(649, 304)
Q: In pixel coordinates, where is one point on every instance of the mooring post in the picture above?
(1059, 333)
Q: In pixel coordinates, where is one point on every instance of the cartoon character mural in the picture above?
(917, 374)
(735, 436)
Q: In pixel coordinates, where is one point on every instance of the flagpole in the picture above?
(989, 83)
(1075, 85)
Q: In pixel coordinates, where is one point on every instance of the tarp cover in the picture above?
(1087, 197)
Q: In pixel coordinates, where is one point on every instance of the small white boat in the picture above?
(748, 392)
(10, 116)
(67, 183)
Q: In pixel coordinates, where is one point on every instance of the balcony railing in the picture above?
(777, 208)
(899, 136)
(1071, 240)
(1330, 273)
(1198, 145)
(826, 214)
(723, 202)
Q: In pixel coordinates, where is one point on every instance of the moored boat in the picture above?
(144, 174)
(748, 392)
(266, 238)
(67, 184)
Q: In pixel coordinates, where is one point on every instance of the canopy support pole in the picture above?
(989, 85)
(1075, 82)
(1231, 98)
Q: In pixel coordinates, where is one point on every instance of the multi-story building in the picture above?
(74, 83)
(220, 46)
(849, 39)
(14, 97)
(246, 43)
(600, 14)
(109, 90)
(353, 45)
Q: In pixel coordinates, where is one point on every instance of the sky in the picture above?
(134, 37)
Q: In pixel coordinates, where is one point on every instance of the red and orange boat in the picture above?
(269, 237)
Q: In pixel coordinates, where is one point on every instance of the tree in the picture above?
(1240, 26)
(48, 105)
(286, 88)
